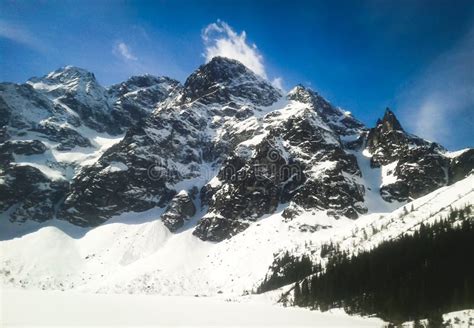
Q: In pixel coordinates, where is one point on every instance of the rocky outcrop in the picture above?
(388, 141)
(46, 118)
(341, 122)
(27, 194)
(418, 172)
(134, 99)
(419, 166)
(180, 209)
(78, 91)
(223, 79)
(23, 147)
(461, 166)
(172, 145)
(298, 160)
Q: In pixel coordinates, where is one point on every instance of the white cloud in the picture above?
(21, 35)
(122, 50)
(278, 83)
(440, 102)
(221, 40)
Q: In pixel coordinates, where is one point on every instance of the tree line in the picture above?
(415, 276)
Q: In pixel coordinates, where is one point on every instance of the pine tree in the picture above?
(305, 292)
(297, 294)
(435, 320)
(313, 286)
(402, 279)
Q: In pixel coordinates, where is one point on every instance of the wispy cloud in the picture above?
(441, 101)
(122, 50)
(278, 83)
(19, 34)
(221, 40)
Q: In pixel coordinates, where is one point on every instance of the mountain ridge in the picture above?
(196, 140)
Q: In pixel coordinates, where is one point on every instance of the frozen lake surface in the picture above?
(48, 308)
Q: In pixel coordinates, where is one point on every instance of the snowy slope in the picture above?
(372, 229)
(136, 253)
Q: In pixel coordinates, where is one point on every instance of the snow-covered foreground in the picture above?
(136, 254)
(35, 308)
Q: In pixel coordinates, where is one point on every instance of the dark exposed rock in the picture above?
(388, 141)
(420, 165)
(222, 78)
(461, 166)
(28, 194)
(280, 171)
(341, 122)
(172, 141)
(118, 182)
(423, 170)
(79, 90)
(291, 212)
(180, 209)
(143, 185)
(96, 117)
(313, 228)
(215, 228)
(23, 147)
(5, 113)
(50, 113)
(66, 137)
(419, 171)
(137, 97)
(112, 110)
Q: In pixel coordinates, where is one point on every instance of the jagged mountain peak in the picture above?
(148, 80)
(339, 120)
(71, 70)
(69, 80)
(141, 82)
(307, 95)
(302, 94)
(66, 74)
(417, 166)
(387, 139)
(389, 122)
(220, 119)
(222, 69)
(221, 80)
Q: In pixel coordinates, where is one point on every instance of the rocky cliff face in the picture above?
(387, 141)
(134, 99)
(225, 145)
(295, 158)
(414, 166)
(461, 165)
(52, 126)
(178, 145)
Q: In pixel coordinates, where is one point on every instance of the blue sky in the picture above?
(416, 57)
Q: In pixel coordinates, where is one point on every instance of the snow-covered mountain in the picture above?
(55, 125)
(151, 186)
